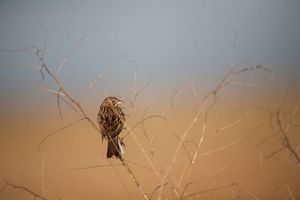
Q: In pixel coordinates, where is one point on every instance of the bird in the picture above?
(111, 120)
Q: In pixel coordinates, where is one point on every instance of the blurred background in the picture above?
(172, 54)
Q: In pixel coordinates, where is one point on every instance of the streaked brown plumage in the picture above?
(111, 122)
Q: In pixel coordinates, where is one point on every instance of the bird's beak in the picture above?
(119, 102)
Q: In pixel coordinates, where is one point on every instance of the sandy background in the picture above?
(234, 150)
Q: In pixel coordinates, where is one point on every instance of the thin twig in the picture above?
(262, 142)
(135, 179)
(143, 121)
(193, 89)
(43, 174)
(285, 140)
(255, 85)
(43, 50)
(155, 190)
(99, 76)
(109, 165)
(290, 192)
(66, 59)
(218, 171)
(211, 190)
(92, 167)
(58, 105)
(233, 123)
(29, 66)
(20, 50)
(170, 105)
(57, 131)
(270, 155)
(120, 178)
(35, 195)
(138, 164)
(234, 142)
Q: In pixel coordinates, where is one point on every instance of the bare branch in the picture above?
(219, 170)
(139, 165)
(43, 50)
(43, 174)
(62, 89)
(274, 153)
(155, 190)
(255, 85)
(211, 190)
(232, 143)
(109, 165)
(290, 192)
(262, 142)
(193, 89)
(92, 167)
(100, 75)
(170, 105)
(143, 121)
(21, 50)
(29, 66)
(66, 59)
(9, 184)
(233, 123)
(285, 140)
(147, 84)
(135, 78)
(57, 131)
(135, 179)
(58, 105)
(205, 106)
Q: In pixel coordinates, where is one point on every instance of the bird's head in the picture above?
(113, 101)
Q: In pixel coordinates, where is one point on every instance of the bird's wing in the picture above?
(110, 123)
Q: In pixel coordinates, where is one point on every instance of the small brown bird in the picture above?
(111, 122)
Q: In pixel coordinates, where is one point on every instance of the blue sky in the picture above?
(175, 41)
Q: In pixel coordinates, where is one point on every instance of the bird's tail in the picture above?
(114, 148)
